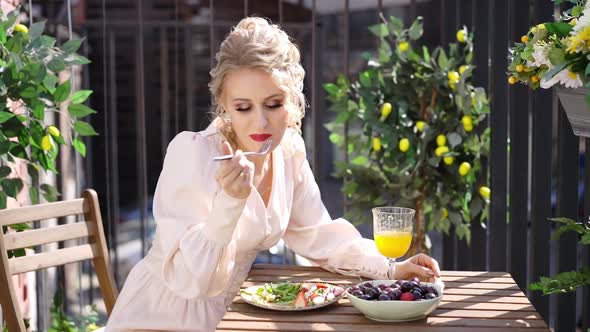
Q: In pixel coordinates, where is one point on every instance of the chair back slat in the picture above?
(52, 258)
(49, 235)
(41, 212)
(90, 229)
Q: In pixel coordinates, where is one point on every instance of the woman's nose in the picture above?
(262, 119)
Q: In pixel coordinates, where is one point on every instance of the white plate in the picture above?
(287, 307)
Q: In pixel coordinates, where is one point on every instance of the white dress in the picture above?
(206, 240)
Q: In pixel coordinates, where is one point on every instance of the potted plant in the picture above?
(29, 90)
(556, 54)
(411, 125)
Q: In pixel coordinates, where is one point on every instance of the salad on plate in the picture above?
(289, 296)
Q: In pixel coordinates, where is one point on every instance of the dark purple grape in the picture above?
(368, 284)
(399, 282)
(357, 293)
(432, 290)
(395, 294)
(353, 288)
(407, 286)
(382, 286)
(429, 296)
(366, 297)
(370, 292)
(415, 284)
(416, 294)
(388, 289)
(424, 289)
(383, 297)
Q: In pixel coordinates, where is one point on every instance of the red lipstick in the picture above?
(260, 137)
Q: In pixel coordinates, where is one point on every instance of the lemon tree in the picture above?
(29, 89)
(417, 132)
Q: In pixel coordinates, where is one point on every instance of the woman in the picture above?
(215, 216)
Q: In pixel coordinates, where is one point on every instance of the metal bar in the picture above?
(113, 145)
(164, 91)
(141, 139)
(281, 13)
(314, 102)
(479, 25)
(245, 8)
(586, 250)
(413, 10)
(541, 179)
(212, 31)
(499, 135)
(346, 69)
(519, 96)
(567, 206)
(176, 65)
(189, 96)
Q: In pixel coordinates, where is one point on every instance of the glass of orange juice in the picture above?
(392, 230)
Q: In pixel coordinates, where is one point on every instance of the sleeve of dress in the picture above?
(195, 224)
(335, 245)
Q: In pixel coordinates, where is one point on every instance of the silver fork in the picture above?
(262, 151)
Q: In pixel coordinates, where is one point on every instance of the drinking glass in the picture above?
(392, 230)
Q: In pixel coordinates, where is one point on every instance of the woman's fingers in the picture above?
(236, 174)
(429, 262)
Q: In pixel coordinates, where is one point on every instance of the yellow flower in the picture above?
(462, 69)
(385, 111)
(53, 131)
(449, 160)
(404, 144)
(376, 144)
(573, 22)
(524, 39)
(21, 28)
(580, 41)
(512, 80)
(403, 46)
(445, 214)
(420, 125)
(534, 78)
(46, 143)
(461, 34)
(441, 140)
(519, 68)
(464, 168)
(441, 150)
(485, 192)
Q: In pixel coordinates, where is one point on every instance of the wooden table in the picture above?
(472, 301)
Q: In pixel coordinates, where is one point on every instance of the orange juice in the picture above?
(393, 244)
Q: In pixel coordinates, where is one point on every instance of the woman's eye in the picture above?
(274, 106)
(243, 109)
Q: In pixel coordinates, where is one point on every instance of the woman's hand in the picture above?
(235, 175)
(421, 266)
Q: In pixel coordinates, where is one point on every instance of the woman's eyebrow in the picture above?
(275, 95)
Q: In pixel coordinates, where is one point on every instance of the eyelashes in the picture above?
(245, 109)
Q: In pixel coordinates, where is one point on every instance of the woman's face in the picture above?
(256, 107)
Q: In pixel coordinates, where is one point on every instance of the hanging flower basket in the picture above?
(576, 108)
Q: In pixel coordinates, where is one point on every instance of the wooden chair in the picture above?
(95, 249)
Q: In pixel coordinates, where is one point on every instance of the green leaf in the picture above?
(81, 147)
(2, 36)
(360, 161)
(585, 239)
(331, 88)
(379, 30)
(20, 227)
(49, 192)
(416, 29)
(560, 29)
(33, 171)
(5, 116)
(62, 92)
(71, 46)
(426, 54)
(29, 92)
(336, 139)
(50, 81)
(75, 59)
(556, 56)
(549, 74)
(5, 171)
(84, 129)
(3, 199)
(442, 59)
(80, 110)
(395, 25)
(56, 65)
(454, 139)
(12, 186)
(33, 195)
(36, 29)
(365, 78)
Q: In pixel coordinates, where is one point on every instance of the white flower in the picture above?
(583, 20)
(540, 56)
(564, 77)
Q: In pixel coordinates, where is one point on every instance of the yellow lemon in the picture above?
(468, 128)
(92, 327)
(512, 80)
(464, 168)
(46, 143)
(467, 123)
(445, 214)
(453, 76)
(462, 69)
(441, 150)
(452, 85)
(441, 140)
(449, 160)
(524, 39)
(376, 144)
(403, 46)
(53, 131)
(534, 78)
(420, 125)
(21, 28)
(519, 68)
(385, 111)
(461, 34)
(485, 192)
(404, 144)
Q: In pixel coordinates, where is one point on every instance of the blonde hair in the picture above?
(256, 43)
